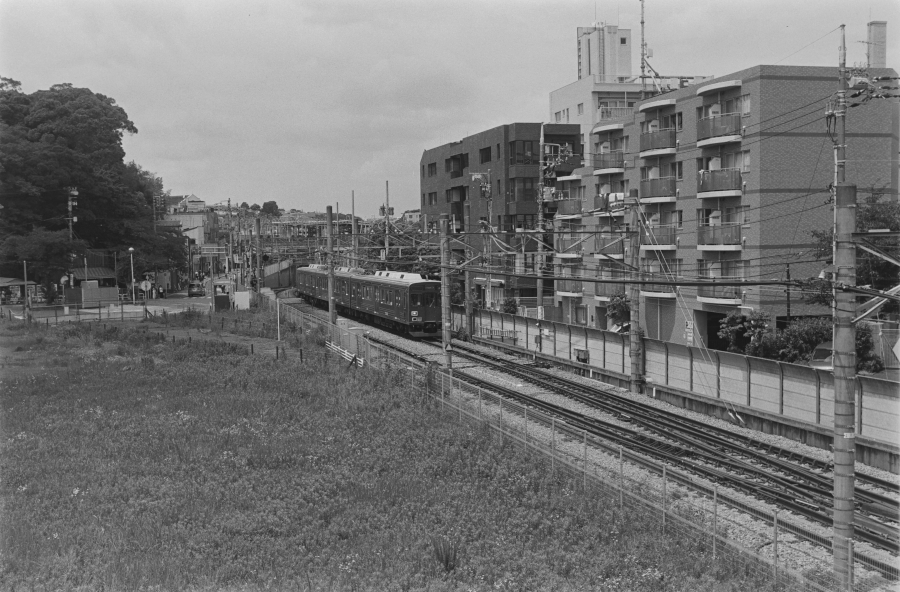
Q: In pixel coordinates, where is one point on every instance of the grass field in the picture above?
(127, 464)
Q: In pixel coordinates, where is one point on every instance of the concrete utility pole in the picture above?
(387, 224)
(446, 318)
(329, 233)
(73, 193)
(635, 339)
(643, 56)
(540, 229)
(354, 228)
(259, 270)
(844, 338)
(26, 303)
(230, 240)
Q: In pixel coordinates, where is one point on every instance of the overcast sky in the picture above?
(303, 101)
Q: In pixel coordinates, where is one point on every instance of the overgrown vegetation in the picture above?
(752, 334)
(139, 464)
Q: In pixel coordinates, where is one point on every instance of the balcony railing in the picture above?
(659, 288)
(659, 139)
(662, 187)
(608, 290)
(726, 234)
(615, 112)
(727, 124)
(606, 244)
(563, 245)
(723, 292)
(607, 201)
(659, 235)
(610, 160)
(456, 174)
(568, 207)
(720, 180)
(574, 286)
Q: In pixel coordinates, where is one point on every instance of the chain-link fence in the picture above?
(731, 531)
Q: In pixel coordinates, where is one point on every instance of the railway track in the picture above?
(698, 448)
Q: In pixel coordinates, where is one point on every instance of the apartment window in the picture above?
(432, 198)
(677, 170)
(623, 40)
(498, 151)
(673, 121)
(745, 104)
(523, 152)
(736, 215)
(581, 108)
(558, 116)
(484, 155)
(432, 169)
(671, 218)
(567, 116)
(524, 189)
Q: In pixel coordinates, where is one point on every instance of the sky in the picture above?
(306, 101)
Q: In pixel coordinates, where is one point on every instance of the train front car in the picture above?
(425, 308)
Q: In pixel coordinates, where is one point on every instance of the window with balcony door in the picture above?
(737, 160)
(673, 121)
(524, 188)
(736, 215)
(676, 169)
(523, 152)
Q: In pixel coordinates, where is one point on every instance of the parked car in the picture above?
(822, 356)
(196, 289)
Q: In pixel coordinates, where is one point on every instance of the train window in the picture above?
(415, 299)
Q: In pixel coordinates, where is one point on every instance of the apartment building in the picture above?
(732, 175)
(487, 183)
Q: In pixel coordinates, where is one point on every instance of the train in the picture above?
(398, 300)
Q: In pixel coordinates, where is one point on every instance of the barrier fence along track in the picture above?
(701, 518)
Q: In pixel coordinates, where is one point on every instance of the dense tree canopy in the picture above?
(271, 208)
(67, 137)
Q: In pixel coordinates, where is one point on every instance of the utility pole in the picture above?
(26, 303)
(787, 276)
(446, 318)
(844, 338)
(259, 278)
(329, 233)
(73, 194)
(635, 339)
(540, 229)
(354, 228)
(387, 224)
(230, 240)
(643, 56)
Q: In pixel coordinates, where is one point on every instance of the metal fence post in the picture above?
(664, 499)
(501, 420)
(584, 468)
(553, 445)
(480, 416)
(621, 480)
(526, 428)
(715, 518)
(775, 546)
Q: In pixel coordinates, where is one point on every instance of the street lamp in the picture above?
(131, 256)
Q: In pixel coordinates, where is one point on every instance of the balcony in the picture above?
(603, 292)
(611, 204)
(568, 207)
(658, 190)
(657, 143)
(658, 290)
(608, 245)
(610, 163)
(720, 183)
(725, 237)
(570, 247)
(720, 129)
(659, 238)
(571, 288)
(715, 294)
(615, 112)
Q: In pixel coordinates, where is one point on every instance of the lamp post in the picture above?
(131, 256)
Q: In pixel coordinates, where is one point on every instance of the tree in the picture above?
(255, 207)
(509, 306)
(740, 330)
(49, 255)
(871, 270)
(270, 208)
(618, 309)
(244, 206)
